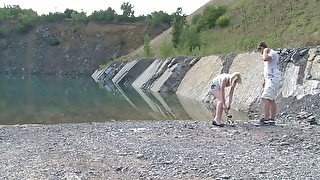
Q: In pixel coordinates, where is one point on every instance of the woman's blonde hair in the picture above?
(235, 76)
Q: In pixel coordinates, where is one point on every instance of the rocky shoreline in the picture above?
(178, 149)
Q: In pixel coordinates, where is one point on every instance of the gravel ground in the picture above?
(179, 149)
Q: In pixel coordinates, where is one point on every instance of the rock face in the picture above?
(190, 77)
(69, 48)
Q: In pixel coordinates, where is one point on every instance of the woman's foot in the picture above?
(217, 124)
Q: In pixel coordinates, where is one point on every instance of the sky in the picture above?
(140, 7)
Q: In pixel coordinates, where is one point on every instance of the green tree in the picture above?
(147, 46)
(190, 39)
(10, 12)
(166, 49)
(27, 20)
(178, 25)
(106, 16)
(68, 13)
(158, 18)
(78, 16)
(53, 17)
(127, 9)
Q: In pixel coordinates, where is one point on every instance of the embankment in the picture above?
(190, 76)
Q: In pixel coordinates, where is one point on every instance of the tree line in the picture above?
(28, 18)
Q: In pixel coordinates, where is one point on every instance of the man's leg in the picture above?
(266, 108)
(273, 109)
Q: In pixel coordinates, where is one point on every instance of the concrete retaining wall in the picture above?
(190, 77)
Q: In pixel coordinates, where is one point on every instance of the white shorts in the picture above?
(271, 89)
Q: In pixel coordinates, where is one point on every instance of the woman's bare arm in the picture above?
(223, 99)
(231, 96)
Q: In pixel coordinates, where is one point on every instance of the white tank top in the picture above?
(217, 81)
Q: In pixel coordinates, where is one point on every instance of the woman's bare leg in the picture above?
(219, 108)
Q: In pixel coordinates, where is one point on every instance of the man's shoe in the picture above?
(271, 122)
(262, 122)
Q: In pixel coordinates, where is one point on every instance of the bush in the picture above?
(78, 16)
(24, 27)
(156, 19)
(209, 17)
(178, 25)
(166, 49)
(121, 41)
(53, 17)
(55, 42)
(190, 39)
(147, 46)
(106, 16)
(1, 33)
(223, 21)
(27, 20)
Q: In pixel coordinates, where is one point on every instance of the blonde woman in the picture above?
(218, 90)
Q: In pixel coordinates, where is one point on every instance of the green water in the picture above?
(54, 100)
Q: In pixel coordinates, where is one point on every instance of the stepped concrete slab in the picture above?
(250, 67)
(196, 82)
(159, 83)
(147, 74)
(172, 76)
(97, 73)
(124, 71)
(131, 71)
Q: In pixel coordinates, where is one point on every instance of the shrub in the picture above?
(55, 42)
(178, 25)
(208, 18)
(121, 41)
(147, 46)
(78, 16)
(223, 21)
(1, 33)
(106, 16)
(166, 49)
(53, 17)
(22, 28)
(156, 19)
(190, 39)
(27, 20)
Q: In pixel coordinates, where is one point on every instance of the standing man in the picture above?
(271, 84)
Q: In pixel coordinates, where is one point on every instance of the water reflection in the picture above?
(52, 100)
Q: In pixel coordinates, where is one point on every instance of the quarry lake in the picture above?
(55, 100)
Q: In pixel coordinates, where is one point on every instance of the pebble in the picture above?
(180, 149)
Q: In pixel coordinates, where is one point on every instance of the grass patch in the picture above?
(279, 23)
